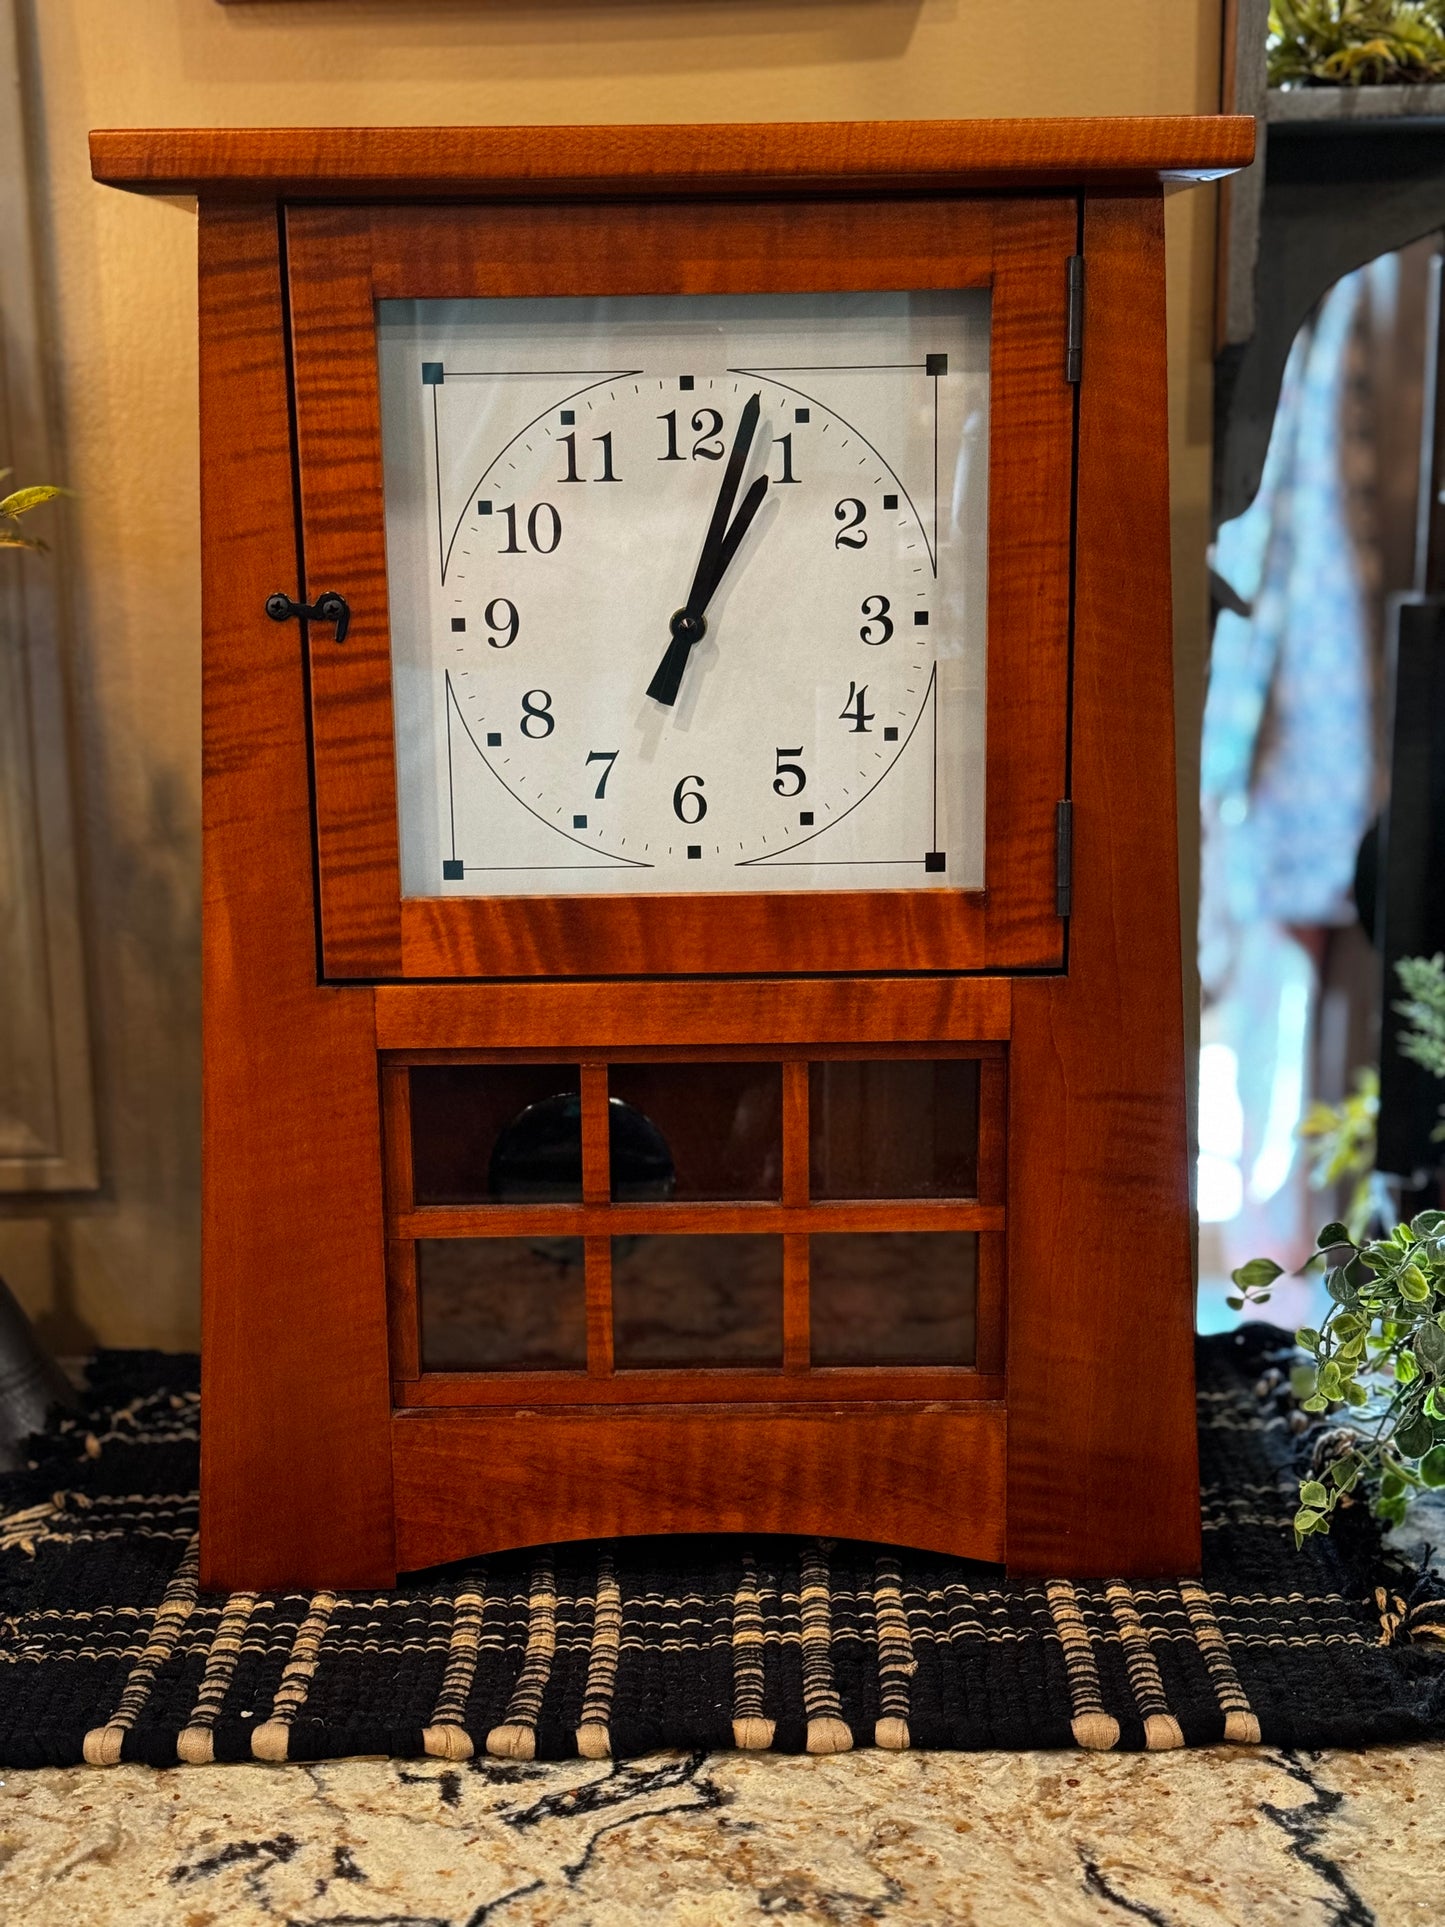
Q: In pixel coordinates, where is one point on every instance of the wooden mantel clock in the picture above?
(693, 1024)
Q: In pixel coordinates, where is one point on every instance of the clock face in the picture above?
(687, 594)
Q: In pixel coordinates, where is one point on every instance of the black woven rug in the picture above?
(109, 1652)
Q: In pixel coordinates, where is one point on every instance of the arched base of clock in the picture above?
(469, 1483)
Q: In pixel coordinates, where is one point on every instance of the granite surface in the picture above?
(1328, 1840)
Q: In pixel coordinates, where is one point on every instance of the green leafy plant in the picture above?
(1340, 1143)
(1355, 43)
(1423, 981)
(19, 502)
(1380, 1354)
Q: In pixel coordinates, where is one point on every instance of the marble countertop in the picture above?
(1259, 1837)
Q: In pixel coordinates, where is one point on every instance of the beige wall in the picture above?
(121, 1268)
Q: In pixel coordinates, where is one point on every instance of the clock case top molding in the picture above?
(1069, 1460)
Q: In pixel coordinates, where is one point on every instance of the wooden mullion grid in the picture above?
(642, 1220)
(597, 1221)
(761, 1052)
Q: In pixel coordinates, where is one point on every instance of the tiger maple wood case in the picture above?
(536, 1211)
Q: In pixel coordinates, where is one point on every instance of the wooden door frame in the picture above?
(343, 260)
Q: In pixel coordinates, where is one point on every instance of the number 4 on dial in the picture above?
(853, 711)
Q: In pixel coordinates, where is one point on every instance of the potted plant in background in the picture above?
(1356, 43)
(1377, 1362)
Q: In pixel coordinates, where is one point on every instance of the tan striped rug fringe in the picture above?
(196, 1741)
(1091, 1725)
(896, 1664)
(828, 1731)
(445, 1737)
(1162, 1731)
(272, 1738)
(752, 1733)
(594, 1740)
(1241, 1726)
(516, 1737)
(102, 1744)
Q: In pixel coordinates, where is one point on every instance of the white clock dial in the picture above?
(687, 594)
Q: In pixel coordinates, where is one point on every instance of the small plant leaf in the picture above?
(22, 500)
(1415, 1437)
(1257, 1273)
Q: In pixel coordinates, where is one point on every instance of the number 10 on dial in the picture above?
(688, 594)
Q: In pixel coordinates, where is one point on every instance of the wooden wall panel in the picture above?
(1102, 1451)
(472, 1482)
(295, 1441)
(610, 1017)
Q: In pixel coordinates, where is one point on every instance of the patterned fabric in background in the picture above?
(1288, 758)
(1290, 775)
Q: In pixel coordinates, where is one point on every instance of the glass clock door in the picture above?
(688, 593)
(708, 569)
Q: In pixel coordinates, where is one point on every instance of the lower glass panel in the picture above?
(496, 1133)
(501, 1304)
(905, 1128)
(722, 1126)
(697, 1301)
(893, 1297)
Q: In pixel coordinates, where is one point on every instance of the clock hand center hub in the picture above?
(688, 628)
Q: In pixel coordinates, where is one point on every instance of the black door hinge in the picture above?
(326, 608)
(1074, 325)
(1064, 859)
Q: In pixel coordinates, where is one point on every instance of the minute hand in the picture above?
(719, 546)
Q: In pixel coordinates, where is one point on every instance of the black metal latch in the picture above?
(327, 608)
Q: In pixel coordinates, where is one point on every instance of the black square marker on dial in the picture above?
(890, 501)
(802, 415)
(935, 860)
(431, 374)
(451, 870)
(684, 381)
(805, 817)
(484, 508)
(694, 849)
(579, 822)
(890, 735)
(494, 739)
(920, 618)
(569, 416)
(459, 623)
(935, 365)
